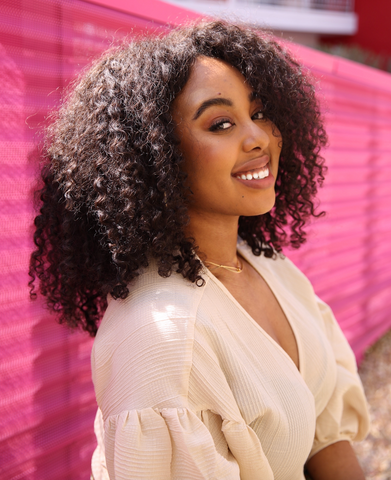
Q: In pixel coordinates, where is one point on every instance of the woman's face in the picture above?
(230, 153)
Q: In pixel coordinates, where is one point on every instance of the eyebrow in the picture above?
(218, 101)
(210, 103)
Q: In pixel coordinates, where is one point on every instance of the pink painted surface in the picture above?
(152, 10)
(348, 254)
(47, 398)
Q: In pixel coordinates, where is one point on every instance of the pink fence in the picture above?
(47, 398)
(348, 256)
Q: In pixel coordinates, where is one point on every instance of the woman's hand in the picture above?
(335, 462)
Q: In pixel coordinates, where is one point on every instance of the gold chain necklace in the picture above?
(237, 269)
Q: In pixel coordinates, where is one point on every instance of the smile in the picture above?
(255, 174)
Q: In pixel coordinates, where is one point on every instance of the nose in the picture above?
(255, 137)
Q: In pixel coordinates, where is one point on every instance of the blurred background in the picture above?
(47, 398)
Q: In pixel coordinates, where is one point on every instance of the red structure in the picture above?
(47, 399)
(373, 33)
(373, 26)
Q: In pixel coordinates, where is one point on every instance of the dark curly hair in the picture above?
(114, 194)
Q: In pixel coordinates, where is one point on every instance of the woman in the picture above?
(214, 358)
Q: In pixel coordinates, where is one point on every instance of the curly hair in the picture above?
(114, 194)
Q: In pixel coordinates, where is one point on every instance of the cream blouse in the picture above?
(190, 387)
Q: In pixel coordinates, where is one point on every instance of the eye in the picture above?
(258, 115)
(223, 124)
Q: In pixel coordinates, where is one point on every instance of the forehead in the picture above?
(211, 78)
(210, 69)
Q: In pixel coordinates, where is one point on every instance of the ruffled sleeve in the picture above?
(174, 443)
(345, 416)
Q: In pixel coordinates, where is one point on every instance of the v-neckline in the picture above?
(242, 250)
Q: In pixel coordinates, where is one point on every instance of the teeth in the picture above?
(256, 175)
(264, 174)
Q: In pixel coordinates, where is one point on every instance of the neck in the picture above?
(216, 237)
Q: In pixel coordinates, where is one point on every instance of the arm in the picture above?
(345, 417)
(335, 462)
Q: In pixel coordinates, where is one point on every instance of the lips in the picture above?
(257, 166)
(254, 174)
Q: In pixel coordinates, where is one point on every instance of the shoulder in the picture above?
(152, 299)
(146, 341)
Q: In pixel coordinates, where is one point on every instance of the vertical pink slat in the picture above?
(46, 392)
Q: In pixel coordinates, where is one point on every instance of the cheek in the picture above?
(191, 155)
(196, 156)
(195, 165)
(206, 160)
(277, 143)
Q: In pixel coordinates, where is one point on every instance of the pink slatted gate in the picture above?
(47, 399)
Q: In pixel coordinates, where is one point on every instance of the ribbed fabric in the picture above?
(190, 387)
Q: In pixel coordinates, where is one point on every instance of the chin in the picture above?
(264, 208)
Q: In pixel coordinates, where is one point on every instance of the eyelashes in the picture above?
(223, 124)
(259, 115)
(226, 123)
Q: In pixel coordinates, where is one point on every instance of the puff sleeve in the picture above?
(345, 416)
(148, 427)
(176, 444)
